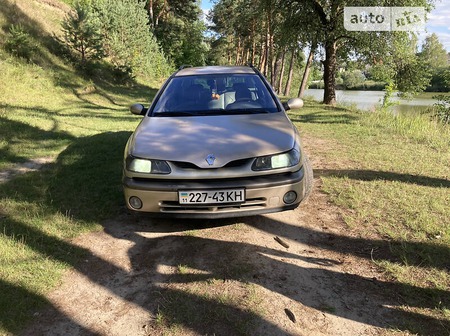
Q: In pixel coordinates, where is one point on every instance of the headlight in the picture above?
(284, 160)
(147, 166)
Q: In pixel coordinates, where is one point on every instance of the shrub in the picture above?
(442, 108)
(19, 43)
(353, 79)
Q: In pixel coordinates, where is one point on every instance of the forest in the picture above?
(294, 44)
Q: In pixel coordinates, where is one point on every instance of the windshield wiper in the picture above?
(246, 111)
(175, 114)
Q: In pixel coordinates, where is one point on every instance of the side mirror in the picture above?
(293, 103)
(138, 109)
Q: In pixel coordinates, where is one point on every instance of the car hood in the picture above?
(228, 138)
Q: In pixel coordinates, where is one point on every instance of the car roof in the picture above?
(214, 70)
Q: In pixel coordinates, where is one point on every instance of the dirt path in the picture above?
(152, 277)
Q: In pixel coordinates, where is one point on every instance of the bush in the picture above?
(442, 108)
(353, 79)
(19, 43)
(440, 82)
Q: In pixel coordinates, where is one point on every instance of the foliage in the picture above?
(387, 98)
(127, 41)
(353, 78)
(178, 28)
(19, 43)
(440, 81)
(442, 108)
(161, 10)
(433, 52)
(182, 41)
(434, 55)
(260, 32)
(82, 32)
(193, 50)
(397, 63)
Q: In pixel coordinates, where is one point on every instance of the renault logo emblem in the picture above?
(210, 159)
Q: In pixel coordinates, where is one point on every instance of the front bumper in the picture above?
(264, 194)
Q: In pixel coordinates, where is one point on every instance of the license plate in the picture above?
(212, 196)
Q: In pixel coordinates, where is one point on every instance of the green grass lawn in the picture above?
(82, 125)
(391, 177)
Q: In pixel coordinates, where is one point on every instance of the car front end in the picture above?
(224, 163)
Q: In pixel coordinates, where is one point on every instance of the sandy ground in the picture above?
(147, 276)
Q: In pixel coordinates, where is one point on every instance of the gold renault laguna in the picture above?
(216, 142)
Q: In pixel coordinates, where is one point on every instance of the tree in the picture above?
(183, 41)
(353, 79)
(179, 30)
(323, 21)
(397, 63)
(160, 10)
(82, 32)
(193, 49)
(433, 52)
(127, 39)
(306, 72)
(435, 56)
(20, 43)
(266, 29)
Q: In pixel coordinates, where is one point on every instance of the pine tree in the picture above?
(82, 33)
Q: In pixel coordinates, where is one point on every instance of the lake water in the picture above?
(369, 100)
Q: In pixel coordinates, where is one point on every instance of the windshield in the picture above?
(215, 95)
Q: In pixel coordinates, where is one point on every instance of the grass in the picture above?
(380, 177)
(391, 177)
(389, 174)
(229, 306)
(83, 126)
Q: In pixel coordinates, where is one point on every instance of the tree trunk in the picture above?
(308, 65)
(163, 9)
(246, 57)
(276, 71)
(253, 43)
(151, 15)
(280, 78)
(329, 73)
(267, 54)
(262, 60)
(287, 89)
(238, 50)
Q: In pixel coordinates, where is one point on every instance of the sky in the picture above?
(438, 21)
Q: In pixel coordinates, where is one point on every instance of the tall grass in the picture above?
(414, 126)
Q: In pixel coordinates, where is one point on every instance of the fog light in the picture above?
(135, 202)
(290, 197)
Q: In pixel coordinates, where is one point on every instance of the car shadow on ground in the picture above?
(367, 300)
(373, 175)
(207, 259)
